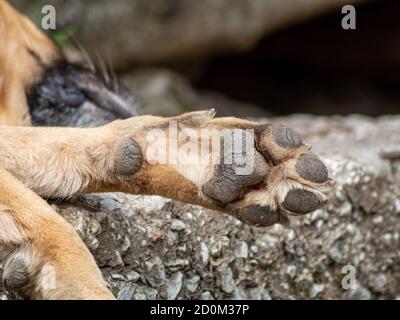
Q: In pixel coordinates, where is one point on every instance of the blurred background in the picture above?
(243, 57)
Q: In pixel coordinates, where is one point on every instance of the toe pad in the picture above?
(301, 201)
(309, 167)
(260, 216)
(286, 138)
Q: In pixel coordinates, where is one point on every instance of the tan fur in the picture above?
(49, 166)
(10, 231)
(52, 241)
(61, 168)
(18, 68)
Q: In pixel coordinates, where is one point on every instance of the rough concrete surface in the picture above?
(155, 248)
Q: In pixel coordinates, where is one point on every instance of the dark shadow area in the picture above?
(318, 67)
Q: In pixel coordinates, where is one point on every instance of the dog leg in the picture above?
(43, 256)
(260, 173)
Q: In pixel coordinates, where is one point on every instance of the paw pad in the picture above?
(286, 137)
(309, 167)
(301, 201)
(15, 274)
(128, 158)
(260, 216)
(236, 170)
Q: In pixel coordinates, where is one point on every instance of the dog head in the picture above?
(39, 86)
(70, 95)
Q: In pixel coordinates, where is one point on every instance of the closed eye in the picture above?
(71, 96)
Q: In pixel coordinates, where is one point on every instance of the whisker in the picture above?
(115, 79)
(103, 70)
(85, 54)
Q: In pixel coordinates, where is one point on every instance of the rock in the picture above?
(132, 276)
(377, 220)
(126, 244)
(207, 295)
(241, 250)
(379, 282)
(254, 249)
(177, 225)
(255, 294)
(162, 91)
(139, 296)
(166, 93)
(226, 279)
(192, 283)
(173, 286)
(153, 204)
(359, 293)
(117, 276)
(335, 254)
(180, 263)
(216, 248)
(151, 293)
(316, 290)
(265, 295)
(84, 224)
(238, 294)
(116, 260)
(291, 271)
(155, 272)
(126, 292)
(108, 204)
(204, 253)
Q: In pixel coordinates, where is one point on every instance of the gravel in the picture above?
(156, 248)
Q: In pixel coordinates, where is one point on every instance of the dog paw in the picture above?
(265, 174)
(17, 273)
(260, 173)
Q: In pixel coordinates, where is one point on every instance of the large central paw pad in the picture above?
(286, 178)
(239, 167)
